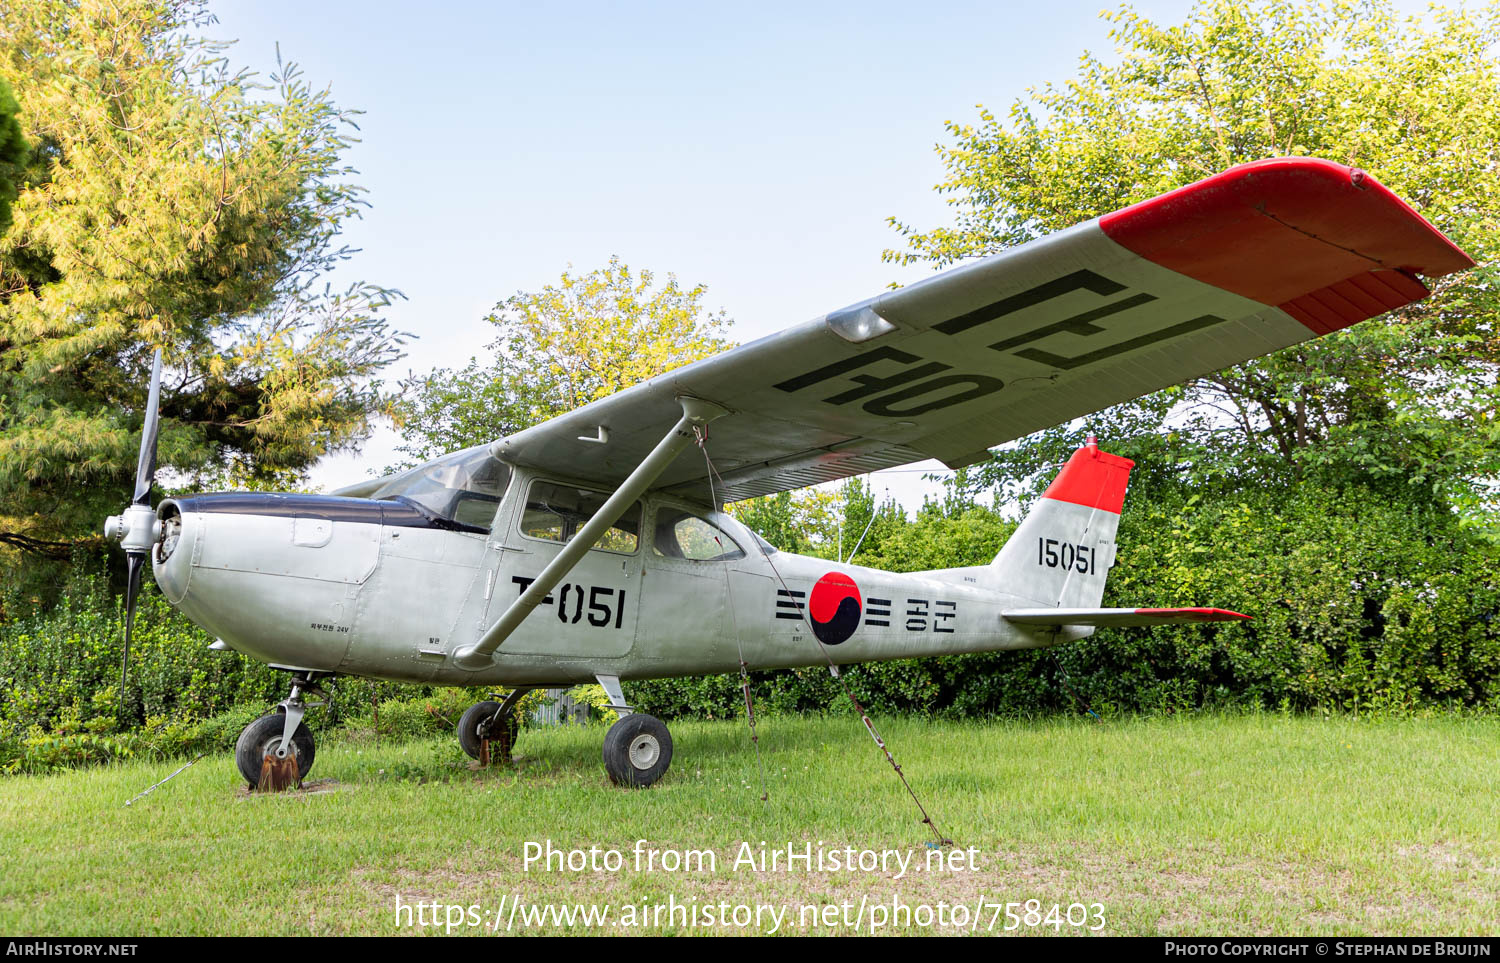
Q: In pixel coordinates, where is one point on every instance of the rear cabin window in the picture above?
(682, 534)
(555, 513)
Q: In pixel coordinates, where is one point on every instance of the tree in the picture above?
(577, 341)
(12, 151)
(844, 523)
(1407, 402)
(780, 519)
(170, 201)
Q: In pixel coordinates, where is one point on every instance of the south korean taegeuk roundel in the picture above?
(835, 606)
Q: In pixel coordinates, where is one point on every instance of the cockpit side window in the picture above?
(464, 488)
(555, 512)
(682, 534)
(739, 531)
(766, 548)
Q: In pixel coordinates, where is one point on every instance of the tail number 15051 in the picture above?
(1050, 553)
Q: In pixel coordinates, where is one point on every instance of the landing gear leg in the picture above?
(490, 722)
(276, 751)
(637, 748)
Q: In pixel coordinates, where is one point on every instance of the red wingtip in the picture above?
(1326, 243)
(1092, 478)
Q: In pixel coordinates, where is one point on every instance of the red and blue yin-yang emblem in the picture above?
(835, 607)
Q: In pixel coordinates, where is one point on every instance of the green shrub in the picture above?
(1360, 603)
(433, 712)
(63, 663)
(60, 683)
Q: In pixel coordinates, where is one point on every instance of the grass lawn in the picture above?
(1215, 825)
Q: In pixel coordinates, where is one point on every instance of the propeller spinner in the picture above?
(138, 529)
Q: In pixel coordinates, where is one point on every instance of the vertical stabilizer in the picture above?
(1063, 550)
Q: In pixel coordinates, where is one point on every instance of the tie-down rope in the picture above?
(701, 434)
(713, 472)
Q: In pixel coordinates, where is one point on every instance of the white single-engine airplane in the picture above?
(592, 547)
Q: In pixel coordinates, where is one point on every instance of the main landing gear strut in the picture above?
(276, 751)
(637, 748)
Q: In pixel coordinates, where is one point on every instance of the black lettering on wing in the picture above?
(1081, 280)
(919, 386)
(1152, 337)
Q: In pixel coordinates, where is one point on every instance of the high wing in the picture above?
(1255, 259)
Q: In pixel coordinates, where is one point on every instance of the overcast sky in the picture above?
(757, 149)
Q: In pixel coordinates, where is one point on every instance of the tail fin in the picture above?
(1062, 553)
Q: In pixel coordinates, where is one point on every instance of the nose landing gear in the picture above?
(276, 751)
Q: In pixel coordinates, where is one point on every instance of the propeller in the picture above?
(138, 529)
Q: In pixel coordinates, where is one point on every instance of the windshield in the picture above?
(464, 487)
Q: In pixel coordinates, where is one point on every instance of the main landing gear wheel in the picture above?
(637, 750)
(262, 738)
(501, 732)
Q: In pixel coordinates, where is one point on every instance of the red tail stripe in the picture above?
(1094, 479)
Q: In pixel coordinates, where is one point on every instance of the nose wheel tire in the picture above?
(263, 737)
(637, 750)
(469, 736)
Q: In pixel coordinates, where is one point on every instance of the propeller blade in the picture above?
(134, 562)
(145, 470)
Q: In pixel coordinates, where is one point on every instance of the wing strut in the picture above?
(695, 414)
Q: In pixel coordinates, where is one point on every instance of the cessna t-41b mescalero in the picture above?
(594, 547)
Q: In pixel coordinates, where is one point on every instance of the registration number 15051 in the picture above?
(1051, 553)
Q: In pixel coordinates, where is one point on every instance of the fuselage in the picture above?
(388, 588)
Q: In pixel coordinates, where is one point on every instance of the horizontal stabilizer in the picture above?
(1106, 617)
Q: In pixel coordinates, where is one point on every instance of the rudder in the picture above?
(1062, 552)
